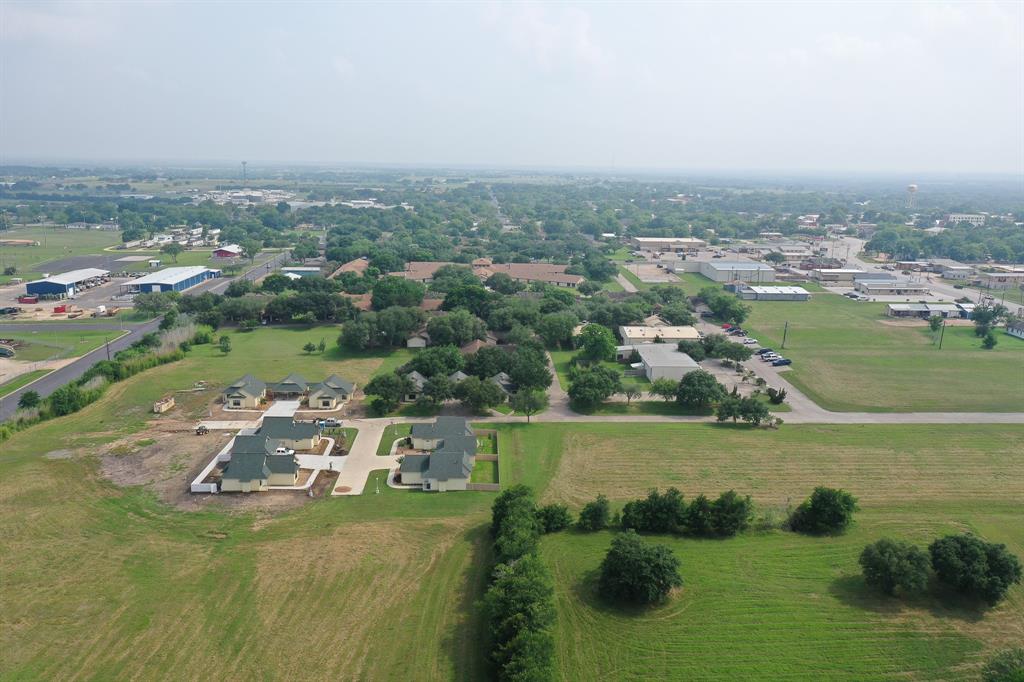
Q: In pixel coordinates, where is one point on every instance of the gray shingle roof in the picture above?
(414, 464)
(246, 386)
(285, 428)
(443, 427)
(337, 383)
(254, 443)
(417, 379)
(282, 464)
(447, 465)
(293, 383)
(246, 466)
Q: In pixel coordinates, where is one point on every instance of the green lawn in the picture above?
(21, 380)
(55, 243)
(203, 588)
(484, 472)
(392, 433)
(54, 345)
(561, 360)
(628, 274)
(849, 356)
(612, 285)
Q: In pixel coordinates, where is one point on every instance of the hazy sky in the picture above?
(862, 86)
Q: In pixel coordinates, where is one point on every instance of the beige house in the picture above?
(254, 466)
(449, 464)
(330, 393)
(289, 433)
(246, 393)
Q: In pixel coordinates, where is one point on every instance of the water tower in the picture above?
(911, 195)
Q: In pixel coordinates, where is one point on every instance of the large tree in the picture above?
(529, 402)
(827, 510)
(593, 386)
(597, 343)
(528, 368)
(975, 567)
(389, 389)
(397, 291)
(636, 571)
(458, 328)
(174, 249)
(890, 565)
(699, 389)
(478, 395)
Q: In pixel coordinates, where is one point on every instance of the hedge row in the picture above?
(520, 599)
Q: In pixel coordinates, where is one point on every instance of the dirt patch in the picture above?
(59, 454)
(167, 456)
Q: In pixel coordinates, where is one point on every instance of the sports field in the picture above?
(107, 582)
(37, 346)
(849, 356)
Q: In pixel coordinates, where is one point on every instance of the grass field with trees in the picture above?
(849, 356)
(54, 244)
(153, 589)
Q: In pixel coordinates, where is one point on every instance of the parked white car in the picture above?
(769, 357)
(750, 342)
(284, 451)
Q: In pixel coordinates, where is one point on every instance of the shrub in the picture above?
(975, 567)
(1006, 666)
(637, 571)
(888, 565)
(827, 510)
(554, 517)
(699, 519)
(656, 513)
(595, 515)
(520, 612)
(731, 513)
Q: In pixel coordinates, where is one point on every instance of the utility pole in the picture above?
(108, 347)
(785, 333)
(942, 332)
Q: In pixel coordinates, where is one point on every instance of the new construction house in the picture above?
(449, 446)
(248, 392)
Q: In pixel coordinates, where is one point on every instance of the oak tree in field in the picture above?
(637, 571)
(890, 565)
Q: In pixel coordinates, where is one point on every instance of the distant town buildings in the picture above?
(975, 219)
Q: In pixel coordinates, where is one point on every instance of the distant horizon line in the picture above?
(271, 164)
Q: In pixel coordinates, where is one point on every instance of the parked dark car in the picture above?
(781, 362)
(763, 351)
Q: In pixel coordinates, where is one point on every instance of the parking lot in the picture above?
(105, 295)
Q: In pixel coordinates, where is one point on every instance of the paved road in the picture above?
(22, 327)
(58, 377)
(217, 286)
(626, 285)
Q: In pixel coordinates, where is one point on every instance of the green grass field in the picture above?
(151, 589)
(849, 356)
(21, 380)
(392, 432)
(561, 360)
(484, 472)
(38, 346)
(55, 243)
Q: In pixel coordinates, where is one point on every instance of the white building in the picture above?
(732, 271)
(892, 287)
(975, 219)
(787, 293)
(835, 274)
(659, 360)
(633, 335)
(668, 244)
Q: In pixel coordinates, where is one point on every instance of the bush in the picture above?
(731, 513)
(656, 513)
(975, 567)
(554, 517)
(827, 510)
(888, 565)
(637, 571)
(28, 400)
(595, 515)
(520, 613)
(1006, 666)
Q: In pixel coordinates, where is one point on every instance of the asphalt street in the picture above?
(57, 378)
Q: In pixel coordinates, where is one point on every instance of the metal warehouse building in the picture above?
(172, 279)
(731, 271)
(773, 294)
(66, 285)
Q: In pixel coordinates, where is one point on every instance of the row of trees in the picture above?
(520, 599)
(963, 563)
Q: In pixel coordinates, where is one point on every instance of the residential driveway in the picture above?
(362, 456)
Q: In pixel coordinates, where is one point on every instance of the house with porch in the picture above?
(246, 393)
(451, 453)
(330, 393)
(290, 433)
(254, 465)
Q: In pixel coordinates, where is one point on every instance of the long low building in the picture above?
(926, 310)
(669, 244)
(659, 360)
(172, 279)
(736, 270)
(895, 287)
(835, 274)
(67, 284)
(636, 334)
(1001, 280)
(759, 293)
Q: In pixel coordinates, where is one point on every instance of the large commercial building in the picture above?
(925, 310)
(758, 293)
(737, 270)
(668, 244)
(835, 274)
(658, 334)
(975, 219)
(1002, 279)
(172, 279)
(892, 287)
(67, 284)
